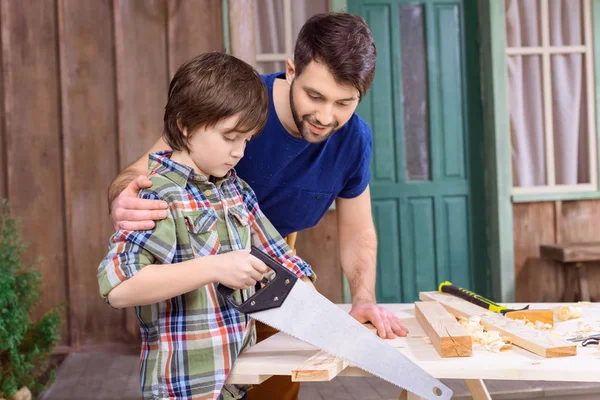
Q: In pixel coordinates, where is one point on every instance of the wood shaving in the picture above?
(490, 340)
(537, 325)
(585, 303)
(565, 313)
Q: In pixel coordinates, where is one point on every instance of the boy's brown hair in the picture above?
(209, 88)
(343, 43)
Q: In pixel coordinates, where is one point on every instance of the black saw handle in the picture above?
(270, 296)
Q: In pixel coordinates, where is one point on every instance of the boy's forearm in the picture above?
(159, 282)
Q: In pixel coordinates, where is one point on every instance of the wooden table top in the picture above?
(280, 354)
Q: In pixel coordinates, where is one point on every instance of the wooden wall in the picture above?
(319, 247)
(546, 223)
(82, 90)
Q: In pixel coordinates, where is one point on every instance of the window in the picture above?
(551, 96)
(277, 25)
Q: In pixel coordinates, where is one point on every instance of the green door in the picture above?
(427, 177)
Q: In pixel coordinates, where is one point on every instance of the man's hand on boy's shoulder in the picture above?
(131, 213)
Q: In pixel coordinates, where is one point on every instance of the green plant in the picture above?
(25, 345)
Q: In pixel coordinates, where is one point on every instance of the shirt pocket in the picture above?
(202, 229)
(241, 223)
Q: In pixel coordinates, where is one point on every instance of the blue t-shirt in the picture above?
(296, 181)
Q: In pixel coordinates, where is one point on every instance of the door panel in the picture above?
(418, 109)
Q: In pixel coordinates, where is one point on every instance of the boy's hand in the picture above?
(239, 269)
(130, 213)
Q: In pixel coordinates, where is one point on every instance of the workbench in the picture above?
(280, 354)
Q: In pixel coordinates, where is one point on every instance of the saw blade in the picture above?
(309, 316)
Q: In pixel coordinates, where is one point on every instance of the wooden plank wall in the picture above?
(319, 247)
(83, 87)
(546, 223)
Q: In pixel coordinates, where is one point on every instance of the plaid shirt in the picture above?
(190, 342)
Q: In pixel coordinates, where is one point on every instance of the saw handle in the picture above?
(270, 296)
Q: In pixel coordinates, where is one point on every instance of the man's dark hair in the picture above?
(212, 87)
(343, 43)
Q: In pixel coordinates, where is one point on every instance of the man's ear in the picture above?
(182, 129)
(290, 71)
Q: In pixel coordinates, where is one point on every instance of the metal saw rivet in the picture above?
(252, 303)
(276, 298)
(287, 281)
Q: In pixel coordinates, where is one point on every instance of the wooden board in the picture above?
(318, 368)
(448, 337)
(319, 247)
(572, 252)
(194, 27)
(33, 141)
(90, 159)
(536, 341)
(322, 366)
(142, 74)
(142, 85)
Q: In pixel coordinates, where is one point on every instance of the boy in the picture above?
(190, 335)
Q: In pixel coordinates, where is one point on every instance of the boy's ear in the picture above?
(290, 71)
(182, 129)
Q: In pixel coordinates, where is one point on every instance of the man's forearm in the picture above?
(359, 259)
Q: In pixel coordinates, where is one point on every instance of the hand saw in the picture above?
(291, 306)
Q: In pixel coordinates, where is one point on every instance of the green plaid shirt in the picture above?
(190, 342)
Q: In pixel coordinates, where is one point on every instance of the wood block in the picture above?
(320, 367)
(544, 316)
(448, 337)
(537, 341)
(572, 252)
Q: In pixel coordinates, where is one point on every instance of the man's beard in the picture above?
(302, 123)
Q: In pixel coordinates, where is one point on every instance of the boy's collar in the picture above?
(160, 162)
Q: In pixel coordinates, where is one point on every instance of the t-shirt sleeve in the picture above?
(361, 175)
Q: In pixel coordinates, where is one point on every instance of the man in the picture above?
(313, 150)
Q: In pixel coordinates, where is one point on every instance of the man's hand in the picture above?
(384, 320)
(239, 269)
(130, 213)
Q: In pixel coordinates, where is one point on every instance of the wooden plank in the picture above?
(406, 395)
(194, 27)
(142, 84)
(448, 337)
(318, 368)
(478, 389)
(572, 252)
(533, 226)
(536, 341)
(142, 74)
(322, 366)
(242, 31)
(32, 167)
(90, 151)
(319, 247)
(3, 154)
